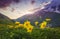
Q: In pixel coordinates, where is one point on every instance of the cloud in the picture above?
(5, 3)
(32, 2)
(42, 6)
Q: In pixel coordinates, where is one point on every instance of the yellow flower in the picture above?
(48, 19)
(17, 23)
(36, 23)
(11, 26)
(30, 29)
(43, 25)
(16, 26)
(21, 25)
(27, 24)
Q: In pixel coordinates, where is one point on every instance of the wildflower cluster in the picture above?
(27, 30)
(27, 25)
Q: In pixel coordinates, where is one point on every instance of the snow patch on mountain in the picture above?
(54, 6)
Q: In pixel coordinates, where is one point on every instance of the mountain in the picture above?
(54, 6)
(4, 19)
(51, 11)
(41, 16)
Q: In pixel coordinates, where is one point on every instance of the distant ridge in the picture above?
(4, 19)
(51, 11)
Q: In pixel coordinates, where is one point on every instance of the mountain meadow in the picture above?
(10, 29)
(29, 19)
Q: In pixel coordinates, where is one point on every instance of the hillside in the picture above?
(40, 16)
(54, 6)
(51, 11)
(4, 19)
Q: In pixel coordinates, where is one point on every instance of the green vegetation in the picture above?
(10, 30)
(20, 33)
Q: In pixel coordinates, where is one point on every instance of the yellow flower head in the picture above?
(30, 29)
(11, 26)
(16, 27)
(27, 24)
(36, 23)
(21, 25)
(48, 19)
(43, 25)
(17, 23)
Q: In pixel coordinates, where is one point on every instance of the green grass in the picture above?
(20, 33)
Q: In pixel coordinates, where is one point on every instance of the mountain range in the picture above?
(54, 6)
(51, 11)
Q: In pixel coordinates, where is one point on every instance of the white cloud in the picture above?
(21, 9)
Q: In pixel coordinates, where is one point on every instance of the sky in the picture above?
(17, 8)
